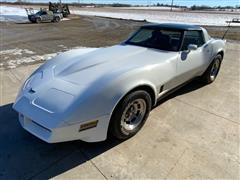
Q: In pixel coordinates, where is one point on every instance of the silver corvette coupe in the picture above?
(110, 91)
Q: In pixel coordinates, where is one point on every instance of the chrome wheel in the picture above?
(133, 115)
(214, 69)
(130, 114)
(57, 19)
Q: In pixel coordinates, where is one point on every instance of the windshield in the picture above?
(163, 39)
(39, 13)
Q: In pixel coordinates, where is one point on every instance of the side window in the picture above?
(175, 39)
(192, 37)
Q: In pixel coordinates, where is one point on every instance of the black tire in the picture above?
(212, 71)
(57, 19)
(124, 109)
(38, 20)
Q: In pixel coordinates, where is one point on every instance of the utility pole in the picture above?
(149, 3)
(172, 5)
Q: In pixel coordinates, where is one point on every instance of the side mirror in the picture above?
(192, 47)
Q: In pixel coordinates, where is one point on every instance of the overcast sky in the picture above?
(150, 2)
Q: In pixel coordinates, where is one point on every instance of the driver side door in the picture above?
(191, 63)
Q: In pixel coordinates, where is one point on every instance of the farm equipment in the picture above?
(59, 8)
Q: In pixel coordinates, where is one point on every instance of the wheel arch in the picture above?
(144, 87)
(221, 52)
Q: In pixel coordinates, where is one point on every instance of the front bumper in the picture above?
(66, 133)
(51, 114)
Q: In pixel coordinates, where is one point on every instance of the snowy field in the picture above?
(152, 8)
(15, 14)
(176, 9)
(18, 14)
(212, 19)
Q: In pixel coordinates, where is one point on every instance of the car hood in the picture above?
(78, 68)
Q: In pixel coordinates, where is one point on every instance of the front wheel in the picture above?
(130, 115)
(57, 19)
(38, 20)
(212, 71)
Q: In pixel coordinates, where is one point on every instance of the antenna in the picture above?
(234, 20)
(229, 25)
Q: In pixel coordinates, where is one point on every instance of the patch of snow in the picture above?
(47, 57)
(65, 19)
(26, 51)
(84, 50)
(16, 52)
(63, 46)
(11, 63)
(151, 8)
(26, 60)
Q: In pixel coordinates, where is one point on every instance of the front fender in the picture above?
(101, 97)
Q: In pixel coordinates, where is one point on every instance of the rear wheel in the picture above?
(130, 115)
(212, 71)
